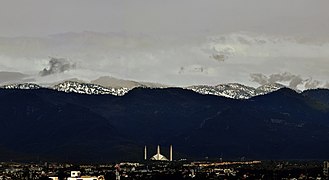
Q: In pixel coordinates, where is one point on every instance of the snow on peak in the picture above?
(21, 86)
(267, 88)
(235, 90)
(230, 90)
(84, 88)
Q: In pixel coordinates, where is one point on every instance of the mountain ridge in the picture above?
(230, 90)
(54, 125)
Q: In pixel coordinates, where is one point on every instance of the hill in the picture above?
(51, 125)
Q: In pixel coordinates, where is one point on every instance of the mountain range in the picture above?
(46, 124)
(118, 87)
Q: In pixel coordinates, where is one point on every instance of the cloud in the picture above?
(259, 78)
(293, 80)
(219, 57)
(205, 59)
(312, 84)
(57, 65)
(281, 77)
(11, 76)
(326, 85)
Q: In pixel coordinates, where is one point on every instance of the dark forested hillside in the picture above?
(51, 125)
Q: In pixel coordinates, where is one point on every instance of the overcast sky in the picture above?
(179, 42)
(43, 17)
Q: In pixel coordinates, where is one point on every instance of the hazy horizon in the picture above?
(169, 42)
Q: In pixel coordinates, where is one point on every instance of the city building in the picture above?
(325, 168)
(76, 175)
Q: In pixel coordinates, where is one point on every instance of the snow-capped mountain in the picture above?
(85, 88)
(235, 90)
(21, 86)
(231, 90)
(267, 88)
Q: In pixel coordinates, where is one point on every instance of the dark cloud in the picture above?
(219, 57)
(57, 65)
(259, 78)
(281, 77)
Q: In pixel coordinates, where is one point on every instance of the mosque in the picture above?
(158, 156)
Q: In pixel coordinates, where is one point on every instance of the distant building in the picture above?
(325, 168)
(76, 175)
(158, 156)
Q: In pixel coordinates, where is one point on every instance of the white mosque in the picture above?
(158, 156)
